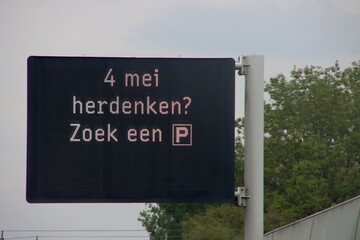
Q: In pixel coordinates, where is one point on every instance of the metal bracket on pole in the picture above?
(241, 197)
(241, 66)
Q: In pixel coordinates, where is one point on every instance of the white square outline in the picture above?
(173, 135)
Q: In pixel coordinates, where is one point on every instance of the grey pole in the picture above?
(254, 146)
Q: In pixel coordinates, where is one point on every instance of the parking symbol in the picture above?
(182, 134)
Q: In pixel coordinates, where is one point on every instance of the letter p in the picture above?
(182, 135)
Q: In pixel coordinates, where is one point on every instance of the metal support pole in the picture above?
(254, 146)
(2, 235)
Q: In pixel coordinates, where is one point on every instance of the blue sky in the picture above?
(287, 33)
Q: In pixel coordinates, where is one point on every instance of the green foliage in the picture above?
(306, 193)
(220, 222)
(239, 153)
(153, 219)
(311, 140)
(312, 157)
(163, 221)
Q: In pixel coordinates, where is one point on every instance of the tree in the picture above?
(163, 220)
(311, 130)
(217, 222)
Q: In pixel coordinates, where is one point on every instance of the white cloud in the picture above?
(350, 6)
(215, 3)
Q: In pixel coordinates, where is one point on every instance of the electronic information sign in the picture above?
(130, 129)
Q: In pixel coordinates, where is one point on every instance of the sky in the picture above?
(287, 32)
